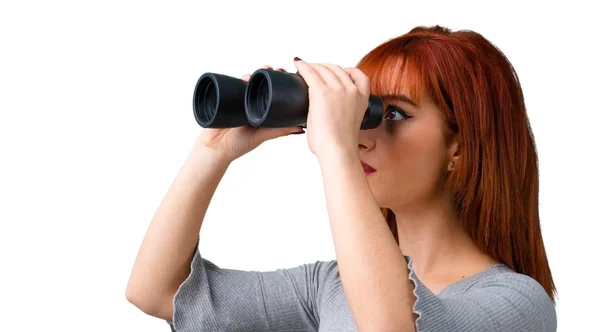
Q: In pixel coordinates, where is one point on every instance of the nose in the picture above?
(366, 139)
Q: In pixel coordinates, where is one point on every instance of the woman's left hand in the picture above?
(338, 100)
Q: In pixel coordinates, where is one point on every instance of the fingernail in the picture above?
(297, 59)
(300, 132)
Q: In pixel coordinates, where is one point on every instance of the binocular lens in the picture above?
(207, 99)
(259, 98)
(219, 101)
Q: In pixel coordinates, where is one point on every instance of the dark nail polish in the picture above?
(297, 59)
(300, 132)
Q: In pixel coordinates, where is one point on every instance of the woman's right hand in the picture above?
(233, 143)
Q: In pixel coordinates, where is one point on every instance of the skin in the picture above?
(412, 159)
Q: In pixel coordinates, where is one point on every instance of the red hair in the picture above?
(496, 182)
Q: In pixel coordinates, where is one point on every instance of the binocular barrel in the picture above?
(270, 98)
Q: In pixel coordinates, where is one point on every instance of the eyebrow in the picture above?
(400, 97)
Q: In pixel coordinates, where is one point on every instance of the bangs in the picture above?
(392, 74)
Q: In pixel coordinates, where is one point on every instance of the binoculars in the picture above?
(270, 98)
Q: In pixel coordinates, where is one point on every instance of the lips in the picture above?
(367, 167)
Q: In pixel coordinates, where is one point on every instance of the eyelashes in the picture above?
(391, 113)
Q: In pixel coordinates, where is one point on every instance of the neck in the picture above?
(431, 235)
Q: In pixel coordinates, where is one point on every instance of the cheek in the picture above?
(429, 156)
(415, 148)
(414, 161)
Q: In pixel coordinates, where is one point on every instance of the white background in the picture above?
(96, 120)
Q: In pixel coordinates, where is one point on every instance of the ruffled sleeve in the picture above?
(503, 302)
(218, 299)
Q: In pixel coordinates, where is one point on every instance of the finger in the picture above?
(281, 70)
(308, 73)
(330, 77)
(267, 67)
(343, 76)
(246, 77)
(265, 134)
(360, 80)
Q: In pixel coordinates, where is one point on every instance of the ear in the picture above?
(454, 150)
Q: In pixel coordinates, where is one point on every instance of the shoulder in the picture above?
(521, 297)
(506, 281)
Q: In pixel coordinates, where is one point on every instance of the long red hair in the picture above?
(496, 182)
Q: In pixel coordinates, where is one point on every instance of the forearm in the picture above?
(372, 267)
(163, 261)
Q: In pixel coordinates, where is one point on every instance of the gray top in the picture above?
(310, 297)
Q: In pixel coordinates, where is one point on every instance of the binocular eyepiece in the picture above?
(270, 98)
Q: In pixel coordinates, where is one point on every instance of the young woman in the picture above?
(434, 213)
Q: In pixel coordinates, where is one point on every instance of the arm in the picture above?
(372, 268)
(163, 261)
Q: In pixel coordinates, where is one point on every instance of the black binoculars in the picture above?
(270, 98)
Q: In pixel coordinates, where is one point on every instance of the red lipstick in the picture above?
(367, 168)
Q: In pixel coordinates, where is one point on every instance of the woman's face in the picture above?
(409, 152)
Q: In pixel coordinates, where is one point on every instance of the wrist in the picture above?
(203, 156)
(337, 154)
